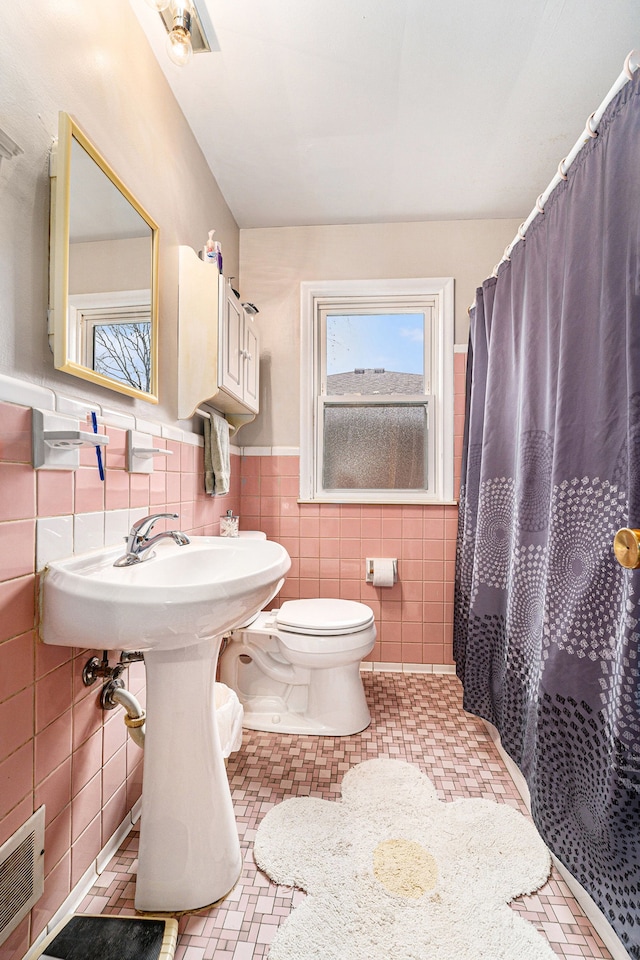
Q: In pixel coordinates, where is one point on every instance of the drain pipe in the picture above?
(113, 694)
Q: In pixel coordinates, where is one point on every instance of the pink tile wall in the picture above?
(57, 746)
(328, 545)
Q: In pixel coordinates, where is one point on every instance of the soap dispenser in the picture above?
(209, 252)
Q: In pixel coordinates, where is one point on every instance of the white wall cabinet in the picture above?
(238, 360)
(218, 345)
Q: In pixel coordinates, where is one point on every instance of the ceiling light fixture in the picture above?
(186, 28)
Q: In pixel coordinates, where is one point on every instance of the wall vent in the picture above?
(21, 873)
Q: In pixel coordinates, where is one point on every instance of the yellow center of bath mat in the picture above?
(404, 868)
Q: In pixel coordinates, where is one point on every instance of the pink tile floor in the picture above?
(415, 717)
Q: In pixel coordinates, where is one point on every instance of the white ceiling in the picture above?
(358, 111)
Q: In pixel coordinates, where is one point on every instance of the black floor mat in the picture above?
(112, 938)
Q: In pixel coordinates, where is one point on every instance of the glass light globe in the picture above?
(179, 46)
(158, 5)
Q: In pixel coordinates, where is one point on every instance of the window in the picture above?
(377, 391)
(111, 332)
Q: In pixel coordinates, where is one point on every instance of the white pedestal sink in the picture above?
(174, 607)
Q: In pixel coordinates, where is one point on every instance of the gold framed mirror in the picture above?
(103, 272)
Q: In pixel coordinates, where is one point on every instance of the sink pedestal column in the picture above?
(189, 848)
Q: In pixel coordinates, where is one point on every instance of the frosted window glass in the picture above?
(375, 353)
(375, 447)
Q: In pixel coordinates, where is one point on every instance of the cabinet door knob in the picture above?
(626, 546)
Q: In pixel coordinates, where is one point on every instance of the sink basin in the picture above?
(180, 596)
(175, 607)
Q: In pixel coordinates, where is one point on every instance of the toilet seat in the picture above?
(323, 617)
(326, 627)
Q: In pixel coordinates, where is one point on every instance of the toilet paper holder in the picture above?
(369, 565)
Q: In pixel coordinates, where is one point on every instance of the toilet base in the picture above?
(303, 684)
(272, 715)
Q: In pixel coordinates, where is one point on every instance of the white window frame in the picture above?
(87, 310)
(395, 295)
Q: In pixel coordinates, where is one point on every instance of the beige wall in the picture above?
(105, 265)
(273, 262)
(93, 61)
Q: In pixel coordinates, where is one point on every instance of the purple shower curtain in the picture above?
(547, 623)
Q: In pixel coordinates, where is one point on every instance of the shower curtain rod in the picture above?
(631, 64)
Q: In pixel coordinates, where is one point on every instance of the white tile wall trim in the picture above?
(136, 810)
(419, 668)
(270, 451)
(148, 426)
(285, 451)
(116, 527)
(26, 394)
(256, 451)
(77, 408)
(58, 537)
(172, 433)
(460, 348)
(88, 531)
(111, 846)
(126, 421)
(369, 666)
(54, 539)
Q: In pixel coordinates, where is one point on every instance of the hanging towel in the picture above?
(217, 468)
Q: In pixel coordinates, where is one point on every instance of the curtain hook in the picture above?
(589, 128)
(521, 232)
(539, 206)
(507, 251)
(494, 272)
(628, 72)
(561, 172)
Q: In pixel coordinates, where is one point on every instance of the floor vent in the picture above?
(21, 873)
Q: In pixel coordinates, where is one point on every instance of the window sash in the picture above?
(388, 494)
(379, 307)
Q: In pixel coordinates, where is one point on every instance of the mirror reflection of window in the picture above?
(111, 334)
(123, 351)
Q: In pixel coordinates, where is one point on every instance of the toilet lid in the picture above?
(323, 617)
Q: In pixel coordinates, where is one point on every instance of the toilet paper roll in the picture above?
(383, 573)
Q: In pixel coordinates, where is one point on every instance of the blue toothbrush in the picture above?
(94, 421)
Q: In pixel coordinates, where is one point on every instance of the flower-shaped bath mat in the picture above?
(393, 873)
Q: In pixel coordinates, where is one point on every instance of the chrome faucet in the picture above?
(139, 543)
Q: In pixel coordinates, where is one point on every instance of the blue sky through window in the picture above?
(394, 341)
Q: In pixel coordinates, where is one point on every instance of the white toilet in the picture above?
(297, 669)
